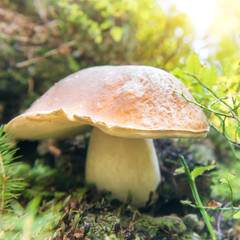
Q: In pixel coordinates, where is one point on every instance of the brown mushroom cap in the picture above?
(124, 101)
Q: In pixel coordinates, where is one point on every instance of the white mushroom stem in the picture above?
(123, 166)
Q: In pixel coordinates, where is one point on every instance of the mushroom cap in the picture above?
(125, 101)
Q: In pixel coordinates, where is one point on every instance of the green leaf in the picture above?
(116, 33)
(221, 89)
(33, 206)
(236, 215)
(199, 170)
(229, 177)
(228, 69)
(179, 171)
(106, 24)
(177, 72)
(208, 75)
(193, 64)
(18, 209)
(73, 64)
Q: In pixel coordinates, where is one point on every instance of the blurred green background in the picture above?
(42, 41)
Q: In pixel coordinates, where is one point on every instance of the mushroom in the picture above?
(128, 106)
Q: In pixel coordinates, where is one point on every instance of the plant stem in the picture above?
(233, 150)
(214, 94)
(231, 193)
(209, 109)
(197, 198)
(3, 183)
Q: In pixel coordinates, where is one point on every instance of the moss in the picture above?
(173, 225)
(100, 226)
(146, 227)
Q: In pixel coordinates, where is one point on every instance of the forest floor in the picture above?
(84, 213)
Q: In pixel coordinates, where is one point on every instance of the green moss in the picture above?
(171, 224)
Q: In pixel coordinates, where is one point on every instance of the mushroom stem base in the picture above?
(123, 166)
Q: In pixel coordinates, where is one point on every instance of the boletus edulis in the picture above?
(127, 106)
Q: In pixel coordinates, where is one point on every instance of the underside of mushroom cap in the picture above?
(124, 101)
(55, 124)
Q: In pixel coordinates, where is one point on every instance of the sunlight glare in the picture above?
(200, 12)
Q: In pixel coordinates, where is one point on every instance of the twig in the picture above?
(209, 109)
(219, 221)
(223, 209)
(218, 114)
(227, 97)
(3, 184)
(211, 91)
(229, 139)
(45, 55)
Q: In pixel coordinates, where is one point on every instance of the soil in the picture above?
(96, 215)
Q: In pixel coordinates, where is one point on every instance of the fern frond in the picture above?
(10, 185)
